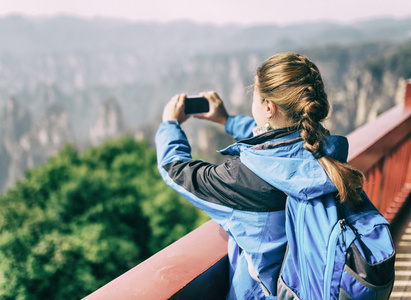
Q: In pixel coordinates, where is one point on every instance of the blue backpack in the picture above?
(335, 253)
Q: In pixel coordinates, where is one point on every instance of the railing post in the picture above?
(407, 102)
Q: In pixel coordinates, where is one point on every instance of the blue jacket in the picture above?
(247, 194)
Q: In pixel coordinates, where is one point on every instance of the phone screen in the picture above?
(196, 105)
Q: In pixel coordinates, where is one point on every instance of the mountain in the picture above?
(56, 75)
(25, 142)
(374, 87)
(71, 34)
(110, 123)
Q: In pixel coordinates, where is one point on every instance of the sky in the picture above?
(245, 12)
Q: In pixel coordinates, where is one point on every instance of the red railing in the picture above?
(179, 271)
(195, 267)
(381, 149)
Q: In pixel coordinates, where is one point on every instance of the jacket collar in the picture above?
(234, 149)
(270, 135)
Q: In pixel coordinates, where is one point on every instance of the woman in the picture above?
(282, 152)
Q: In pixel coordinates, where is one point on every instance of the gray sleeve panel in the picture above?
(231, 184)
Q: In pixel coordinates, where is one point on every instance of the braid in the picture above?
(296, 87)
(315, 106)
(311, 130)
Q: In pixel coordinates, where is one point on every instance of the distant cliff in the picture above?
(25, 142)
(110, 123)
(370, 89)
(54, 90)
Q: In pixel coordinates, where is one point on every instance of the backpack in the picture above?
(335, 253)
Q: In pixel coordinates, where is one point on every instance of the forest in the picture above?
(82, 219)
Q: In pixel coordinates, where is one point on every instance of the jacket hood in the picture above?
(283, 162)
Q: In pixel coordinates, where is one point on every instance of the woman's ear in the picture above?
(270, 109)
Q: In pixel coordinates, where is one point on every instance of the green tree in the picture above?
(81, 220)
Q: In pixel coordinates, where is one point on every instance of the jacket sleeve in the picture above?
(184, 174)
(215, 189)
(240, 127)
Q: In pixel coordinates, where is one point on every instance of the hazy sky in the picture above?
(245, 12)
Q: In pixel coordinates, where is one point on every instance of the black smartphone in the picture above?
(196, 105)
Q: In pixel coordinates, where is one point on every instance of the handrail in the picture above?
(167, 272)
(381, 149)
(195, 267)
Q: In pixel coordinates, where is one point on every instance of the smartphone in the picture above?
(196, 105)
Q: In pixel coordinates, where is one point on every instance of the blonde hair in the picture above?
(295, 85)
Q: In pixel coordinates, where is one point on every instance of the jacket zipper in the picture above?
(337, 230)
(300, 235)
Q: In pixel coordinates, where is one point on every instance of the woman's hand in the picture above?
(217, 111)
(174, 109)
